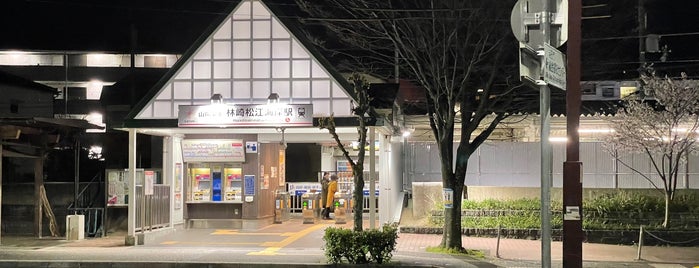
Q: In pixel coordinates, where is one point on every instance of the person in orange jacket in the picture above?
(332, 188)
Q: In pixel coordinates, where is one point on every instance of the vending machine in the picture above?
(201, 184)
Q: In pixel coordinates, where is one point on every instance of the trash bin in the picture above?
(341, 204)
(281, 206)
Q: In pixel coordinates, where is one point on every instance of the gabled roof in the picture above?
(192, 54)
(11, 79)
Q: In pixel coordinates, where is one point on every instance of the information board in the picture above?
(220, 150)
(249, 184)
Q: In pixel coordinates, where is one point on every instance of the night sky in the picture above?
(610, 47)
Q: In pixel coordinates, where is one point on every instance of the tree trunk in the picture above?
(451, 237)
(358, 199)
(452, 221)
(667, 209)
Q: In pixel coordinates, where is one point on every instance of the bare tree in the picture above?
(457, 51)
(662, 127)
(360, 87)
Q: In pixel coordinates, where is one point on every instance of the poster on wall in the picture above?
(178, 186)
(262, 177)
(282, 167)
(219, 150)
(265, 182)
(249, 185)
(150, 178)
(118, 188)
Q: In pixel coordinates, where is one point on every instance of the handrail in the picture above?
(92, 181)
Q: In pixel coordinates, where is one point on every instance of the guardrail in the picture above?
(644, 231)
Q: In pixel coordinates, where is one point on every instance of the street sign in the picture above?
(554, 67)
(529, 65)
(527, 18)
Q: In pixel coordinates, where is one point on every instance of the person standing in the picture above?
(332, 188)
(324, 181)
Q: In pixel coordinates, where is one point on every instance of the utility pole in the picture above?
(572, 167)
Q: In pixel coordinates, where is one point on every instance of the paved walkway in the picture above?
(294, 243)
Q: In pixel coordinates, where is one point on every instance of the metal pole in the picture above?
(640, 243)
(546, 151)
(546, 166)
(76, 169)
(572, 167)
(372, 178)
(130, 238)
(497, 246)
(0, 189)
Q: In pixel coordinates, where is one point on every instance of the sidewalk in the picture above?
(299, 245)
(527, 253)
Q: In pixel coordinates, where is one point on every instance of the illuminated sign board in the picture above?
(246, 115)
(213, 150)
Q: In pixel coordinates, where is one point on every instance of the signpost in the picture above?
(540, 25)
(554, 67)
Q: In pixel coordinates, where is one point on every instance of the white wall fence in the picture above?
(517, 164)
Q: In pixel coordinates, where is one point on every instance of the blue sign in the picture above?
(300, 192)
(366, 192)
(249, 184)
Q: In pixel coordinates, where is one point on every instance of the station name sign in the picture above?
(246, 115)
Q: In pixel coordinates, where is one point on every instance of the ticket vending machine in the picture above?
(201, 188)
(233, 186)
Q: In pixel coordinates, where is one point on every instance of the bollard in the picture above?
(497, 246)
(640, 243)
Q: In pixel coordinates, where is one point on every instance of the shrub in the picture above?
(620, 210)
(360, 247)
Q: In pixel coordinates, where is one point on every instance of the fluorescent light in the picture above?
(558, 139)
(596, 130)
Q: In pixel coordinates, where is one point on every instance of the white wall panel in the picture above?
(241, 29)
(202, 70)
(261, 29)
(222, 70)
(204, 52)
(223, 88)
(320, 88)
(222, 50)
(242, 90)
(241, 49)
(224, 32)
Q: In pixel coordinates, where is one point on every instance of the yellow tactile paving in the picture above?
(274, 247)
(205, 243)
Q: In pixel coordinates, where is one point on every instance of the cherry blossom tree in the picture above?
(662, 126)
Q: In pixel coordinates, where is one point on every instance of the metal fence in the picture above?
(153, 211)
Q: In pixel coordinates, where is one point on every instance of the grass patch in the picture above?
(477, 254)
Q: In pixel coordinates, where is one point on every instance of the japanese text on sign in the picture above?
(275, 115)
